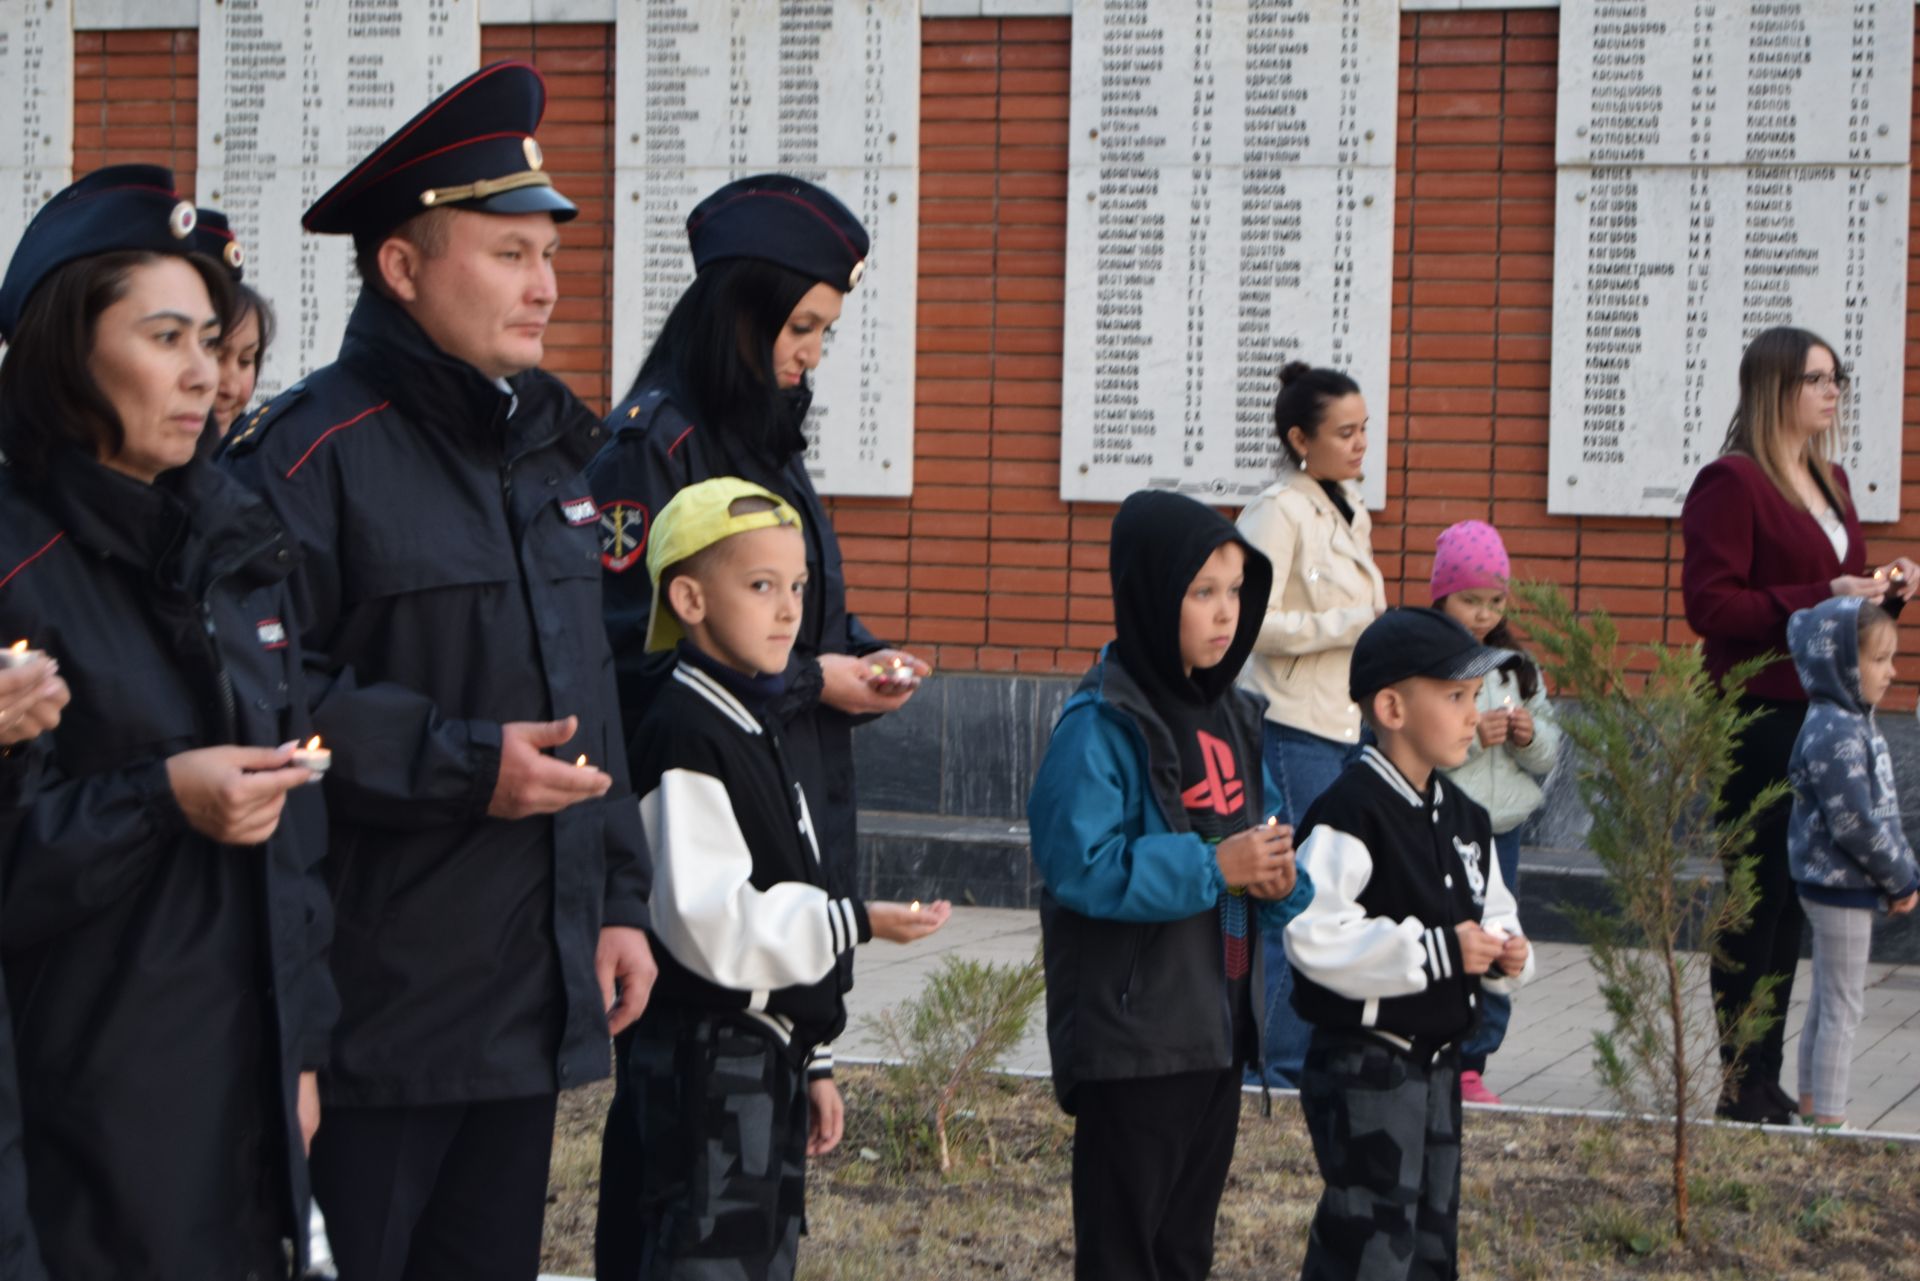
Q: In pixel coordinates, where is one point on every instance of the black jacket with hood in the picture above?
(166, 990)
(1136, 975)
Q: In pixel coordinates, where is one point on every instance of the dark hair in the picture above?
(47, 393)
(716, 349)
(1524, 669)
(1872, 616)
(1302, 402)
(248, 301)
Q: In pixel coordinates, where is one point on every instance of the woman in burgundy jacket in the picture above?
(1770, 528)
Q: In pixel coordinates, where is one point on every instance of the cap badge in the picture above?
(182, 220)
(535, 157)
(859, 270)
(236, 256)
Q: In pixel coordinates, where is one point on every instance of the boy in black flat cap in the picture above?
(491, 892)
(1409, 919)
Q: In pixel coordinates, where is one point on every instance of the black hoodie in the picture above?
(1160, 543)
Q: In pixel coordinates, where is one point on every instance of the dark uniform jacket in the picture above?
(19, 1254)
(450, 582)
(741, 910)
(655, 452)
(166, 991)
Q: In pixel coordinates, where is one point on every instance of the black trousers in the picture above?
(1150, 1160)
(1771, 943)
(446, 1192)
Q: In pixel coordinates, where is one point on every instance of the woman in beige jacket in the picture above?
(1313, 525)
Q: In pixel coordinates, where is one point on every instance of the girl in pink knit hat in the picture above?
(1516, 747)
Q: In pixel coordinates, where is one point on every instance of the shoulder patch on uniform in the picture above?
(623, 534)
(252, 428)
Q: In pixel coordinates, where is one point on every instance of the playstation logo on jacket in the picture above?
(121, 207)
(470, 148)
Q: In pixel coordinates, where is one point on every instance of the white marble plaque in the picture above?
(292, 96)
(1729, 82)
(1230, 208)
(36, 93)
(1664, 274)
(1761, 181)
(828, 90)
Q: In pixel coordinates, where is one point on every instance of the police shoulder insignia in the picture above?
(251, 428)
(623, 535)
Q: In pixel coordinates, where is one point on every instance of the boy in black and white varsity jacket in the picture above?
(725, 1085)
(1409, 919)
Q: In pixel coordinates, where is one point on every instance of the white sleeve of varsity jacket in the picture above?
(1502, 912)
(708, 913)
(1337, 945)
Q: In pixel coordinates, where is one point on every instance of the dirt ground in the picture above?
(1542, 1197)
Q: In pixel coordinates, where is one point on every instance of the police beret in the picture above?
(213, 236)
(784, 220)
(120, 207)
(472, 147)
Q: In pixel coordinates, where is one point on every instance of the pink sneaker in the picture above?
(1474, 1090)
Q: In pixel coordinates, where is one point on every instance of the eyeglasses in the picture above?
(1825, 378)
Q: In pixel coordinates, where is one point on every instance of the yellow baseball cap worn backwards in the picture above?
(698, 517)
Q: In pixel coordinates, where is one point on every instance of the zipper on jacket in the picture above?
(229, 713)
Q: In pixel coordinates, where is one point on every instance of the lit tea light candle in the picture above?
(18, 655)
(313, 756)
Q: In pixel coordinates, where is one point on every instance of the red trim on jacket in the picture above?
(677, 439)
(36, 556)
(329, 431)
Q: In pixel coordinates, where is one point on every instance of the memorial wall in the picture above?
(1229, 209)
(291, 97)
(1724, 168)
(828, 90)
(36, 99)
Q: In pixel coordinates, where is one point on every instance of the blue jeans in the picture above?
(1495, 1010)
(1305, 765)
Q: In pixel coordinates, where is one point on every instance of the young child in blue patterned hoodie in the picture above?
(1845, 846)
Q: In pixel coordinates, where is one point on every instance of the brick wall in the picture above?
(136, 98)
(577, 138)
(984, 568)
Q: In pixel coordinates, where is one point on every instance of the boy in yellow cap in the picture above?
(725, 1085)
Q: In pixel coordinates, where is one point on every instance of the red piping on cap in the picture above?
(430, 113)
(781, 195)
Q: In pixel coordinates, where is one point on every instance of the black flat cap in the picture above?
(119, 207)
(213, 236)
(1403, 643)
(784, 220)
(471, 148)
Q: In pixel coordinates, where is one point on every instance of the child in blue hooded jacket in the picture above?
(1157, 832)
(1845, 847)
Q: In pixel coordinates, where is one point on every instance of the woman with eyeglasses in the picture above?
(1770, 528)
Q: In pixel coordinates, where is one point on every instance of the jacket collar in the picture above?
(192, 525)
(1399, 783)
(387, 349)
(1295, 478)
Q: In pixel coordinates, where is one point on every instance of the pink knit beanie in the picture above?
(1469, 556)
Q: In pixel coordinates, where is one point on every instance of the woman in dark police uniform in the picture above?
(164, 929)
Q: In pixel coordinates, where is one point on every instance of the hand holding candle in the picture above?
(31, 697)
(19, 655)
(907, 922)
(891, 672)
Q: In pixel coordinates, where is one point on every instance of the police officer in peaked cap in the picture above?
(487, 862)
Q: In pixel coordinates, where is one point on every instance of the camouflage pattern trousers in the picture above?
(703, 1162)
(1386, 1135)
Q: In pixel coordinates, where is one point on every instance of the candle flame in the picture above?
(313, 744)
(582, 762)
(18, 647)
(914, 906)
